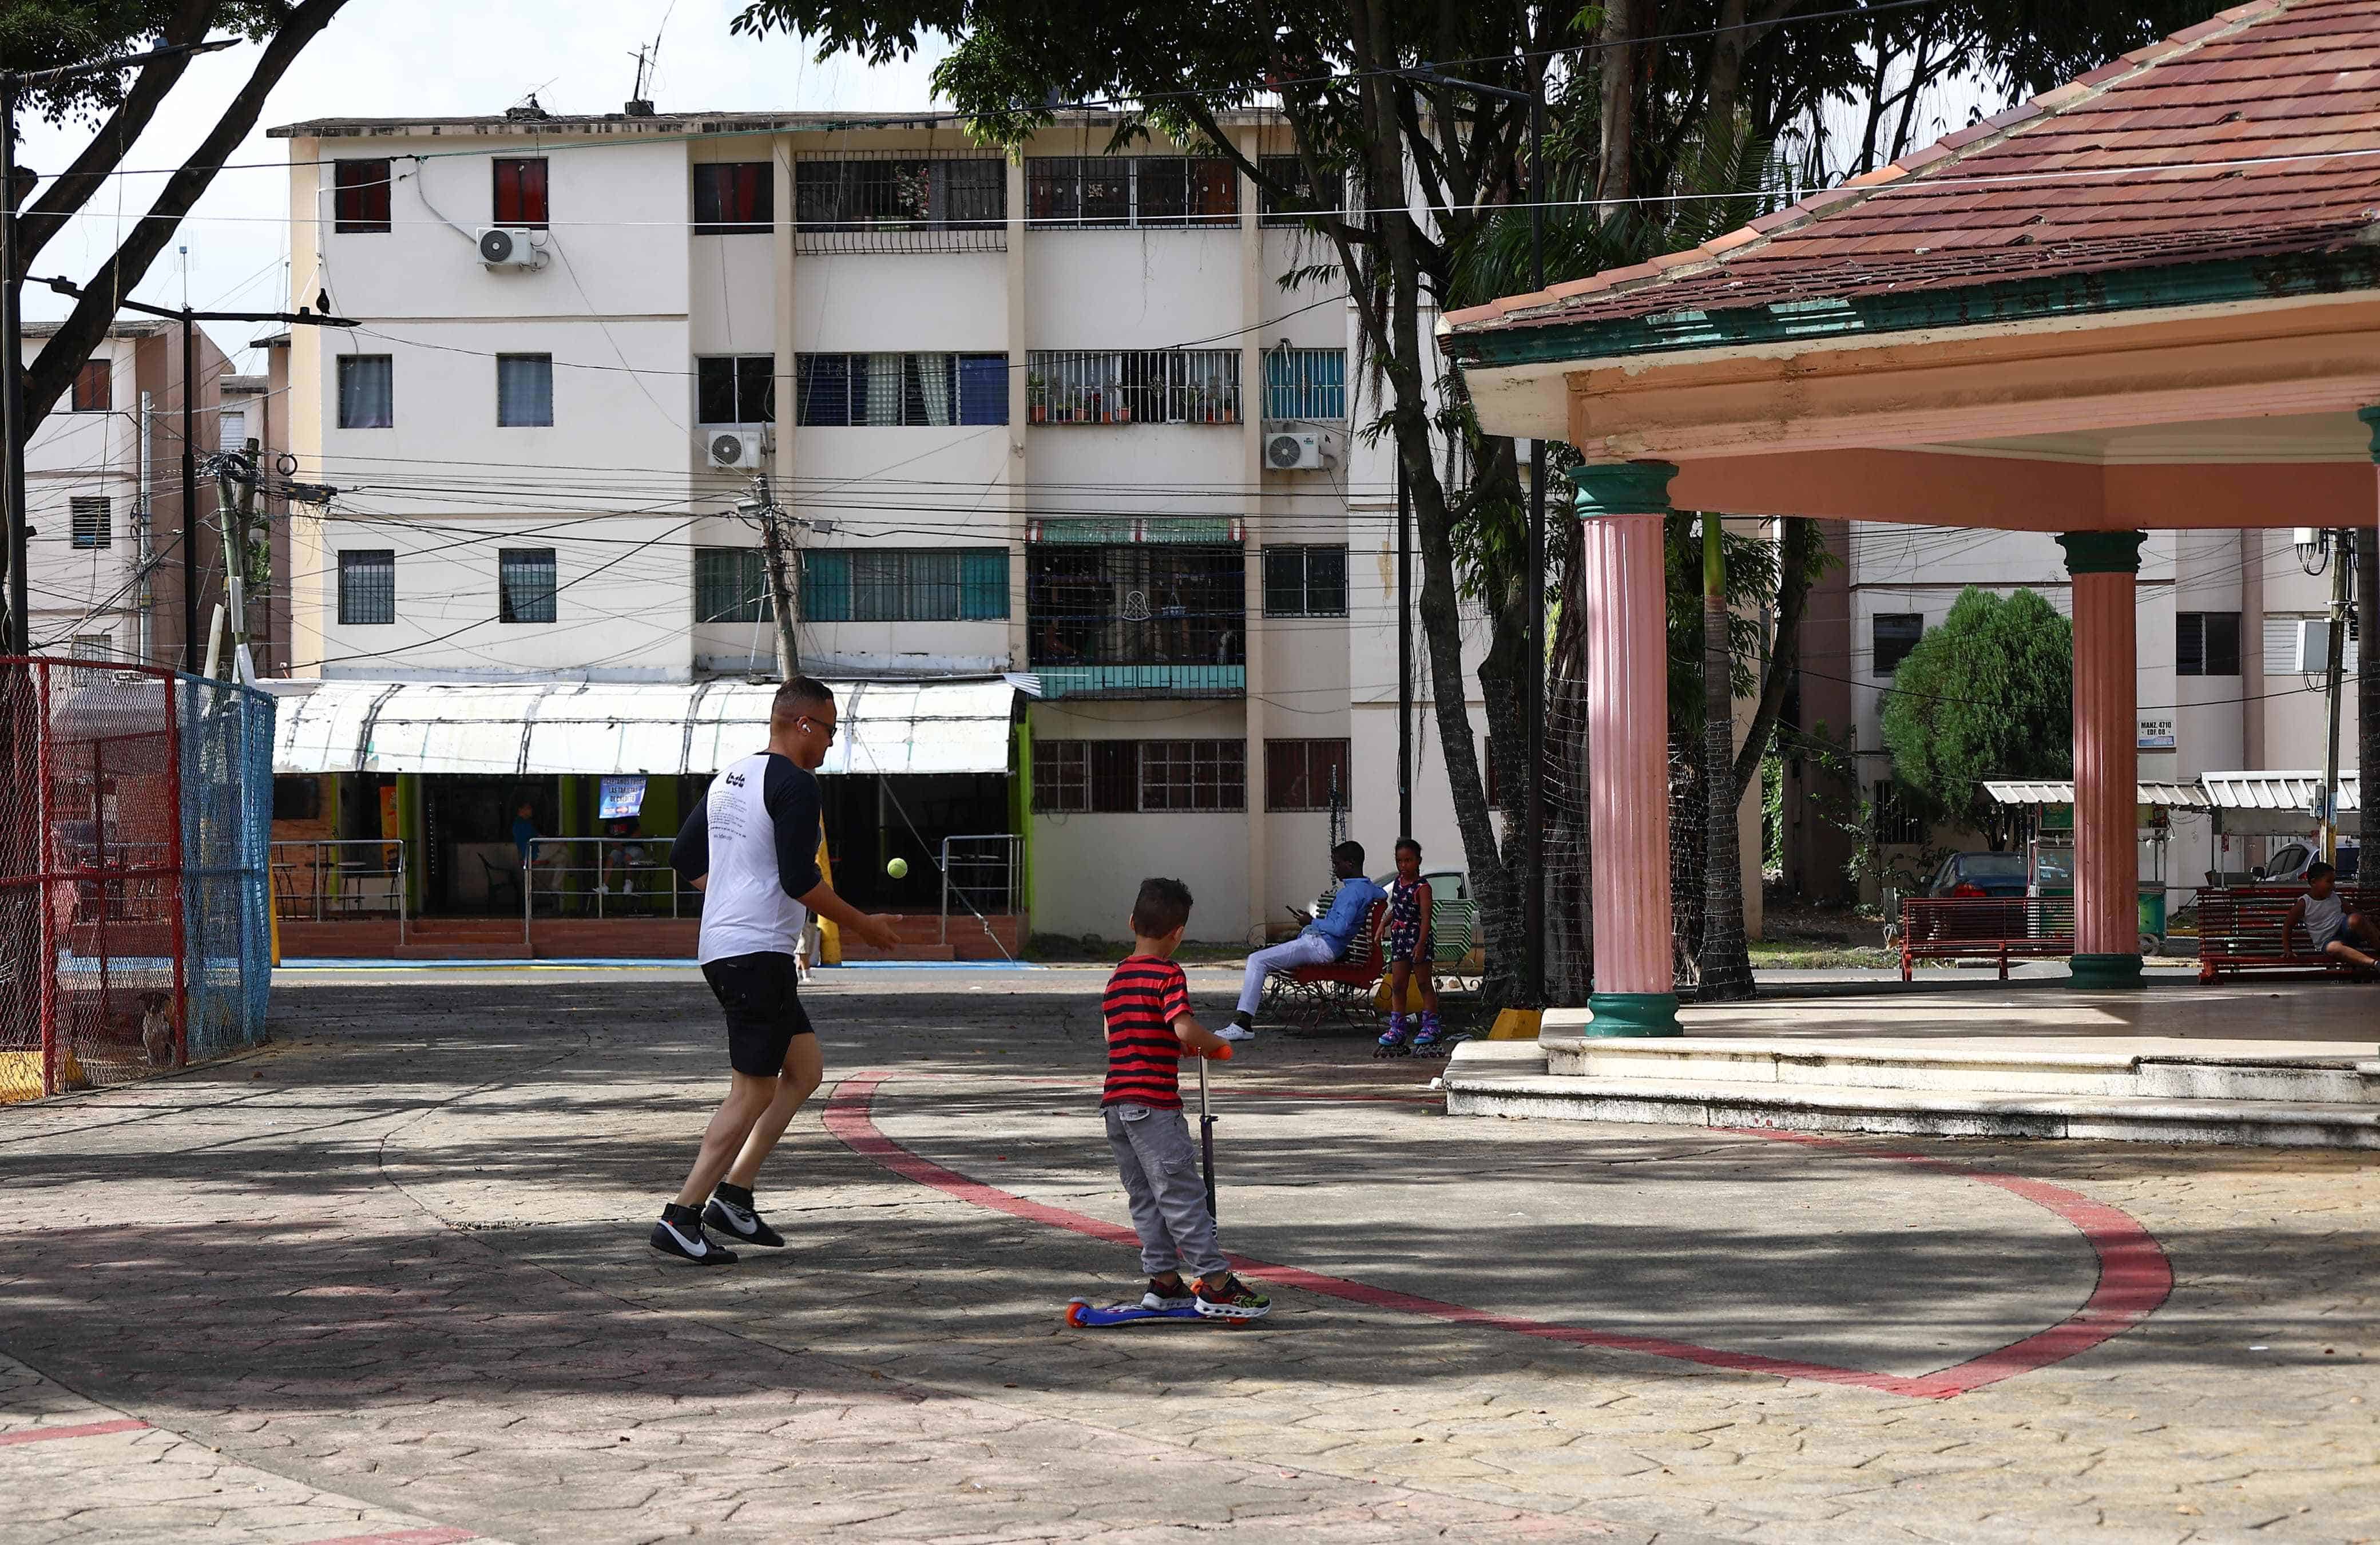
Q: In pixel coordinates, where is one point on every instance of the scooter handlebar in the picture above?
(1223, 1052)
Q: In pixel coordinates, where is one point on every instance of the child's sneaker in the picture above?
(1168, 1292)
(1432, 1037)
(1234, 1300)
(1392, 1040)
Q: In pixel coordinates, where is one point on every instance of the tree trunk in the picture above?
(2367, 677)
(1726, 959)
(1799, 550)
(1569, 862)
(1615, 73)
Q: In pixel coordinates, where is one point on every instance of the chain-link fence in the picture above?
(134, 933)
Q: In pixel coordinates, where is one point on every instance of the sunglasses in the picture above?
(826, 725)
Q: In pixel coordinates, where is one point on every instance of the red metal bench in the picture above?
(1343, 989)
(2239, 930)
(1984, 928)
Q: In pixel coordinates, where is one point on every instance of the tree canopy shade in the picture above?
(1989, 694)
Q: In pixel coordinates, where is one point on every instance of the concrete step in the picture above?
(1510, 1079)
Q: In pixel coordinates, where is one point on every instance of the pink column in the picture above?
(2105, 566)
(1621, 505)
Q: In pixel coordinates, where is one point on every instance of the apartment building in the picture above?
(1053, 420)
(102, 495)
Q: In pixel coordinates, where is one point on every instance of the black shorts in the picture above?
(764, 1009)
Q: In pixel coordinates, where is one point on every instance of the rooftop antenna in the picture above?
(649, 62)
(640, 104)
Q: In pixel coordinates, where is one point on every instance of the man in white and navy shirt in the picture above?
(751, 846)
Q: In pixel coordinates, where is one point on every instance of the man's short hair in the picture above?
(797, 697)
(1162, 906)
(1349, 852)
(2319, 871)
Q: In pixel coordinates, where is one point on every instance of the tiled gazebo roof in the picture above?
(2252, 135)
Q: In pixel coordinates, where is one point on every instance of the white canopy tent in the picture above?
(2260, 803)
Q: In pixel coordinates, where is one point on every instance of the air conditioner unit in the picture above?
(1294, 451)
(511, 247)
(737, 450)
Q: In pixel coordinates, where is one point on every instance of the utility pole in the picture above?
(1404, 654)
(2339, 541)
(763, 505)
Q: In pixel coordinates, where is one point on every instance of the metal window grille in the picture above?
(1306, 774)
(1138, 604)
(367, 396)
(93, 646)
(367, 589)
(1144, 386)
(95, 387)
(93, 521)
(736, 389)
(1298, 203)
(895, 391)
(359, 197)
(731, 584)
(925, 584)
(524, 584)
(1306, 581)
(1305, 384)
(1153, 191)
(1893, 634)
(1193, 775)
(524, 391)
(901, 202)
(1062, 777)
(731, 198)
(1896, 817)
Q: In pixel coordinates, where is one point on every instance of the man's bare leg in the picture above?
(805, 1068)
(748, 1097)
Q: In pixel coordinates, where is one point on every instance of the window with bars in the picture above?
(524, 391)
(359, 197)
(920, 584)
(732, 197)
(93, 519)
(1135, 190)
(1143, 603)
(93, 646)
(2206, 643)
(95, 387)
(731, 584)
(524, 584)
(367, 395)
(1133, 386)
(893, 203)
(1124, 777)
(520, 191)
(1298, 201)
(368, 588)
(1892, 635)
(1305, 384)
(736, 389)
(1898, 816)
(1306, 581)
(843, 391)
(1306, 774)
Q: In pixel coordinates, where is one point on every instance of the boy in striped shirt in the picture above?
(1148, 1011)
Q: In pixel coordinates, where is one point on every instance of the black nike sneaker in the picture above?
(731, 1213)
(680, 1234)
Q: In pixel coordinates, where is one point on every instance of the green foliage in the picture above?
(44, 34)
(1988, 694)
(1751, 584)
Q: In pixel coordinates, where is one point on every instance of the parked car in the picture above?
(2288, 864)
(1979, 874)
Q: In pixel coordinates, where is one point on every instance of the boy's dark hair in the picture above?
(1162, 906)
(2319, 871)
(1350, 852)
(1403, 843)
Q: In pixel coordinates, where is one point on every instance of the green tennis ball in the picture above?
(898, 868)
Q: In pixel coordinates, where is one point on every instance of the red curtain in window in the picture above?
(520, 193)
(359, 196)
(740, 195)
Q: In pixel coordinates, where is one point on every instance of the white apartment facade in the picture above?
(1032, 403)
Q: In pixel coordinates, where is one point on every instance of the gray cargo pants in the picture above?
(1160, 1167)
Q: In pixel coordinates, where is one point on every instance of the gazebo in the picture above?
(2147, 299)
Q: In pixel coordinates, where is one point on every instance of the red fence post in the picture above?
(177, 879)
(47, 963)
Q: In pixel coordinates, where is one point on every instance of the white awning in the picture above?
(516, 729)
(2041, 791)
(2257, 803)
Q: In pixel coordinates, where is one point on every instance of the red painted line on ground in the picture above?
(2134, 1275)
(84, 1430)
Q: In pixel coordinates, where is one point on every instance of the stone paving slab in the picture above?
(399, 1258)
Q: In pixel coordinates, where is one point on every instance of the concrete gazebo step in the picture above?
(1508, 1079)
(1798, 1062)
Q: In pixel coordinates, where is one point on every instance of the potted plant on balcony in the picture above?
(1037, 398)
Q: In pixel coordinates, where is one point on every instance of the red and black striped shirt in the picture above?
(1145, 996)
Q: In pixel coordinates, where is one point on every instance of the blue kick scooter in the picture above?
(1084, 1314)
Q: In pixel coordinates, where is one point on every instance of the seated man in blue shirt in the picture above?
(1325, 940)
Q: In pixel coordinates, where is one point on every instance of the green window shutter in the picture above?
(983, 584)
(826, 586)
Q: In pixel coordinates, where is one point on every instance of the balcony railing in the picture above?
(1141, 620)
(1133, 386)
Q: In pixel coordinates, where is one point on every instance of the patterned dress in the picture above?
(1408, 930)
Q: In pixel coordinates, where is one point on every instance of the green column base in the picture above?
(1633, 1013)
(2095, 972)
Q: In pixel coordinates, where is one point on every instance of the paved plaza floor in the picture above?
(386, 1281)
